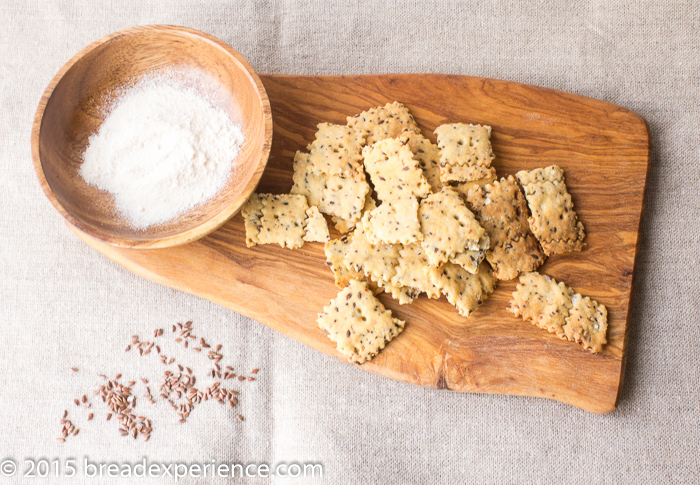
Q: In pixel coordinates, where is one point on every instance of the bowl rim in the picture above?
(198, 231)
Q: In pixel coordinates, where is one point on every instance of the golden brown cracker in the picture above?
(358, 323)
(393, 171)
(465, 152)
(383, 122)
(448, 227)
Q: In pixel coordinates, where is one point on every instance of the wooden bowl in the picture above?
(72, 109)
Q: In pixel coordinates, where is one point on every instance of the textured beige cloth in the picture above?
(65, 305)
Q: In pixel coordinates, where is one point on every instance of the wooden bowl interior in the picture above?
(78, 105)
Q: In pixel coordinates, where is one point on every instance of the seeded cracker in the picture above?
(344, 225)
(283, 220)
(335, 258)
(383, 122)
(358, 323)
(464, 290)
(308, 183)
(587, 323)
(428, 156)
(252, 213)
(394, 222)
(553, 219)
(448, 227)
(465, 152)
(336, 151)
(394, 172)
(501, 209)
(554, 307)
(543, 301)
(316, 228)
(345, 198)
(414, 271)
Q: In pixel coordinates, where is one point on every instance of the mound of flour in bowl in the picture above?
(162, 150)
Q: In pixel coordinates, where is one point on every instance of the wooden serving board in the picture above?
(604, 151)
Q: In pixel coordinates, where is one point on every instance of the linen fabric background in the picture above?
(66, 305)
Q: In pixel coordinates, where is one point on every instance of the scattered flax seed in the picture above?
(177, 388)
(255, 371)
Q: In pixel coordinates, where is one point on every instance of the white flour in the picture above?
(161, 151)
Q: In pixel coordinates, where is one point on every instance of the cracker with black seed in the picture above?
(427, 154)
(316, 229)
(358, 323)
(283, 220)
(414, 271)
(587, 323)
(307, 182)
(393, 171)
(470, 260)
(345, 198)
(553, 221)
(543, 301)
(337, 150)
(448, 227)
(383, 122)
(464, 290)
(394, 222)
(501, 210)
(465, 152)
(554, 307)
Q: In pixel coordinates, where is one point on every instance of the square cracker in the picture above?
(464, 290)
(316, 229)
(336, 250)
(394, 172)
(252, 213)
(427, 154)
(448, 227)
(283, 220)
(554, 221)
(383, 122)
(465, 152)
(337, 150)
(543, 301)
(414, 271)
(394, 222)
(587, 323)
(345, 198)
(358, 323)
(307, 182)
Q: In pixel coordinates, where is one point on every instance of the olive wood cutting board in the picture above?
(604, 151)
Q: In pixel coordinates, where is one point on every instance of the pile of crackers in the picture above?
(419, 217)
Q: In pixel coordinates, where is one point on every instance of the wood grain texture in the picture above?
(604, 151)
(75, 102)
